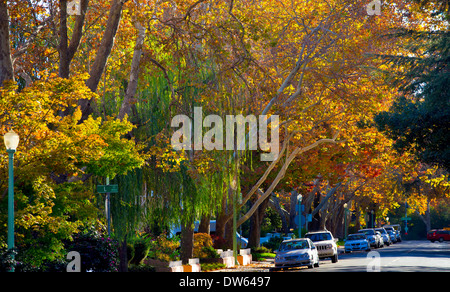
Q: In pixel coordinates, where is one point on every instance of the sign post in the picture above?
(108, 189)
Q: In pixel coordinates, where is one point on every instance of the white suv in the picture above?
(325, 243)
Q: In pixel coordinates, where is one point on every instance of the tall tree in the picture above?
(419, 119)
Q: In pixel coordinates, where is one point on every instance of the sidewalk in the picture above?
(262, 266)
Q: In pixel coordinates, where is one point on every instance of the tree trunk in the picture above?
(274, 203)
(129, 104)
(187, 242)
(280, 175)
(294, 203)
(6, 67)
(426, 218)
(67, 51)
(204, 226)
(123, 257)
(102, 56)
(255, 225)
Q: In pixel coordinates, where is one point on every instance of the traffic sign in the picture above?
(107, 189)
(406, 218)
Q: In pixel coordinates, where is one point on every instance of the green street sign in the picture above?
(406, 218)
(107, 189)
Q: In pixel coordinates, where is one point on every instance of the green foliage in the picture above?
(55, 161)
(211, 266)
(120, 155)
(165, 249)
(141, 269)
(419, 120)
(140, 247)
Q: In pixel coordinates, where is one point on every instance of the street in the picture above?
(406, 256)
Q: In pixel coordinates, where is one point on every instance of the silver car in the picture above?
(296, 253)
(385, 235)
(372, 236)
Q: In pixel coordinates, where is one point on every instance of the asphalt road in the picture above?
(406, 256)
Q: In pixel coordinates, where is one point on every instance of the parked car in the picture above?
(394, 235)
(296, 253)
(325, 243)
(438, 234)
(380, 238)
(357, 241)
(384, 235)
(397, 230)
(372, 236)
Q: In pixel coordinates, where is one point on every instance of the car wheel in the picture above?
(441, 239)
(334, 259)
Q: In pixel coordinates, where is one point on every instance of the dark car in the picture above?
(439, 235)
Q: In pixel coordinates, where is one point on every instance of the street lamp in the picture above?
(11, 142)
(345, 220)
(299, 200)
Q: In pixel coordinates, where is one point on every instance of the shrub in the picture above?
(141, 268)
(212, 266)
(164, 249)
(203, 246)
(219, 242)
(98, 254)
(140, 248)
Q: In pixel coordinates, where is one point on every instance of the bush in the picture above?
(212, 266)
(141, 268)
(219, 242)
(98, 254)
(203, 246)
(139, 249)
(261, 249)
(164, 249)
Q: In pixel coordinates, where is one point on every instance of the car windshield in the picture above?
(381, 230)
(319, 236)
(368, 231)
(292, 245)
(356, 237)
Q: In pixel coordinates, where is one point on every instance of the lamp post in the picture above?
(299, 201)
(345, 220)
(11, 140)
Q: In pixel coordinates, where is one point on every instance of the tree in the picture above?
(55, 161)
(419, 119)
